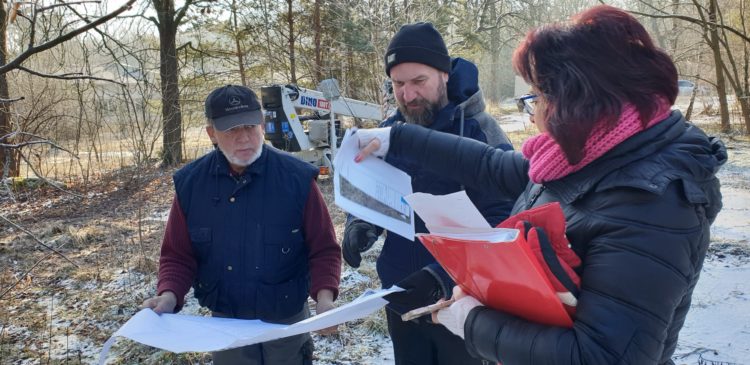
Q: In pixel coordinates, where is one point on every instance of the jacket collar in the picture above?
(473, 105)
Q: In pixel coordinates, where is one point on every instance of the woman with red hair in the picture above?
(636, 181)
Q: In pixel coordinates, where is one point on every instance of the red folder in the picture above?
(502, 275)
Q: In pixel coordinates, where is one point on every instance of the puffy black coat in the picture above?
(638, 217)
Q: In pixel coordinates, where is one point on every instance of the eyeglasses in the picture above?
(526, 103)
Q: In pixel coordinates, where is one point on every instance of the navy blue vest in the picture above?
(246, 233)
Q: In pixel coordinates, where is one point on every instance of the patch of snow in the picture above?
(732, 224)
(71, 347)
(158, 216)
(371, 349)
(514, 122)
(717, 327)
(718, 324)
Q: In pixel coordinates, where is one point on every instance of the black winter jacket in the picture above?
(639, 219)
(464, 115)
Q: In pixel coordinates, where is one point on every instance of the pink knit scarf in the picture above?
(548, 163)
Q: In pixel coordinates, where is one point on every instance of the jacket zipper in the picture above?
(532, 200)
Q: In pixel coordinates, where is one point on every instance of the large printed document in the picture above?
(372, 189)
(183, 333)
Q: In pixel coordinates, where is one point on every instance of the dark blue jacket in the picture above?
(464, 115)
(246, 233)
(638, 217)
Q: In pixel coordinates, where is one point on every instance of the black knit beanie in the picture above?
(420, 43)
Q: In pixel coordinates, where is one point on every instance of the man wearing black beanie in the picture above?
(439, 93)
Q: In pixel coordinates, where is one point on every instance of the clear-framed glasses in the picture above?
(526, 103)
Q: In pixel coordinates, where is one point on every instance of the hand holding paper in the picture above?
(373, 141)
(372, 190)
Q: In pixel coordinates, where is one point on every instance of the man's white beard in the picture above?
(244, 163)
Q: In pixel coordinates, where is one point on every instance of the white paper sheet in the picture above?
(372, 189)
(182, 333)
(455, 216)
(451, 210)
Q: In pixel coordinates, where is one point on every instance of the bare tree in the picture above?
(291, 39)
(69, 30)
(728, 67)
(167, 21)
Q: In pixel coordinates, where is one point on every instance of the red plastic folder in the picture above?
(502, 275)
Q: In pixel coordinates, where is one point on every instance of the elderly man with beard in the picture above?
(250, 231)
(441, 94)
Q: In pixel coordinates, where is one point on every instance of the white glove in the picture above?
(383, 136)
(454, 317)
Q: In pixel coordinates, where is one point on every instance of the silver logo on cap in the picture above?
(391, 58)
(234, 101)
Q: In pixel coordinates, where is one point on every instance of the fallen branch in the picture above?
(38, 241)
(50, 182)
(26, 273)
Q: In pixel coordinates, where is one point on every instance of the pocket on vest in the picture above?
(279, 301)
(282, 251)
(201, 239)
(206, 287)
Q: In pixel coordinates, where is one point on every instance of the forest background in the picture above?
(101, 100)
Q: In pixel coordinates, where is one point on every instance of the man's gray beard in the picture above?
(423, 118)
(244, 163)
(427, 116)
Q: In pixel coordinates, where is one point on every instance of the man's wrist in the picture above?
(324, 295)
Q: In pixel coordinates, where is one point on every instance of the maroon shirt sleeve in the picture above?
(177, 265)
(325, 253)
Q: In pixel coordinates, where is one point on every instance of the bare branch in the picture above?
(12, 100)
(40, 140)
(702, 23)
(67, 4)
(68, 76)
(63, 38)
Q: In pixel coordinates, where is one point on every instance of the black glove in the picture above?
(359, 236)
(421, 288)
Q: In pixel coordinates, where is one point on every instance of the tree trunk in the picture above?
(494, 90)
(238, 44)
(318, 30)
(691, 105)
(721, 87)
(170, 92)
(290, 22)
(745, 109)
(8, 160)
(674, 36)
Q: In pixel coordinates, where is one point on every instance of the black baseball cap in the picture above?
(231, 106)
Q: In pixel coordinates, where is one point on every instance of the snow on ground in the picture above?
(717, 329)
